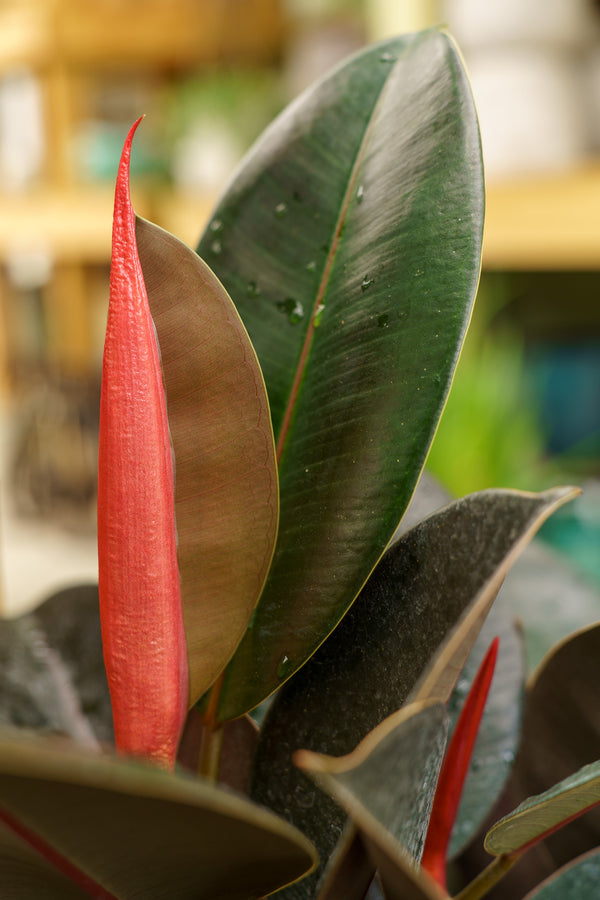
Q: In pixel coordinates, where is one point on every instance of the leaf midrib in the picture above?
(335, 242)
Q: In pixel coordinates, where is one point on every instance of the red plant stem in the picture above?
(140, 595)
(56, 859)
(454, 770)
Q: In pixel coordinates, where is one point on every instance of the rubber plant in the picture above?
(267, 407)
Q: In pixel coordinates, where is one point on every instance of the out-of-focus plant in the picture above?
(491, 433)
(264, 424)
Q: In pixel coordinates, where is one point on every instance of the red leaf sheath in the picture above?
(454, 770)
(140, 595)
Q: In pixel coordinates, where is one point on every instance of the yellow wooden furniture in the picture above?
(544, 222)
(70, 45)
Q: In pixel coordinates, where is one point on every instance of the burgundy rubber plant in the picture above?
(267, 407)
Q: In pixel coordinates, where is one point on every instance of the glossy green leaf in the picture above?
(391, 776)
(579, 880)
(498, 738)
(426, 586)
(226, 495)
(542, 814)
(350, 243)
(139, 831)
(561, 733)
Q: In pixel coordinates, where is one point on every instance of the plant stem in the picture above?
(486, 880)
(211, 742)
(209, 759)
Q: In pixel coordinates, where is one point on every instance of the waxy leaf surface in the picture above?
(226, 495)
(528, 512)
(26, 875)
(349, 241)
(427, 583)
(386, 786)
(580, 879)
(544, 813)
(138, 831)
(391, 776)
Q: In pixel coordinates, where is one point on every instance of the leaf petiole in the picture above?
(489, 877)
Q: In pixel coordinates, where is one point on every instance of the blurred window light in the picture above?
(21, 129)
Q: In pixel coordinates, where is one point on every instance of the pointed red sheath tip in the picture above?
(140, 596)
(454, 769)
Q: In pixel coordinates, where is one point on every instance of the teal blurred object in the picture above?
(565, 381)
(575, 532)
(99, 151)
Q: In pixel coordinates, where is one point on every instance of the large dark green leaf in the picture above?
(139, 831)
(579, 880)
(387, 785)
(350, 243)
(226, 497)
(390, 778)
(430, 579)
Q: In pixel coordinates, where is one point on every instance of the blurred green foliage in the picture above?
(490, 434)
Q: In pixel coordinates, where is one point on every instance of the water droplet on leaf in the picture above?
(382, 321)
(318, 315)
(280, 210)
(283, 666)
(366, 282)
(360, 194)
(387, 58)
(216, 247)
(216, 225)
(293, 309)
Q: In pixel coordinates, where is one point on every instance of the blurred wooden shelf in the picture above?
(544, 223)
(71, 223)
(73, 48)
(96, 33)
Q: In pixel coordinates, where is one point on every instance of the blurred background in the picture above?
(210, 74)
